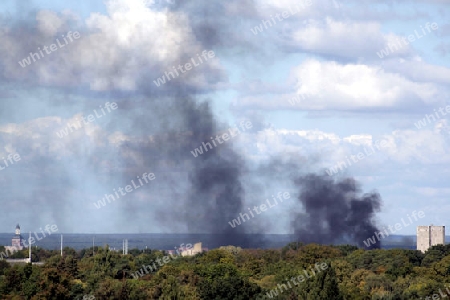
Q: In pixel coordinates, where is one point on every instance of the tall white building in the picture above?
(428, 236)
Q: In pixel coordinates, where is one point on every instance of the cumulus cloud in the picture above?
(347, 39)
(114, 51)
(328, 85)
(416, 69)
(400, 147)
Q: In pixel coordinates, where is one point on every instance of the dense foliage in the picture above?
(230, 273)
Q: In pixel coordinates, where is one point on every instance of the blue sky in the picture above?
(327, 52)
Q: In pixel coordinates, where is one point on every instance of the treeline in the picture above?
(295, 272)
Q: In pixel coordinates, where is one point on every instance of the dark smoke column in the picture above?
(216, 192)
(335, 211)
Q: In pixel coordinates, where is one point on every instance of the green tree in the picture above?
(13, 279)
(53, 285)
(4, 266)
(325, 286)
(71, 266)
(223, 281)
(432, 256)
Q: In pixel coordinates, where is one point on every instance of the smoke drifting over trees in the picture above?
(154, 130)
(335, 211)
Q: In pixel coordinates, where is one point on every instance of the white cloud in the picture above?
(393, 150)
(329, 86)
(355, 86)
(48, 22)
(40, 135)
(348, 39)
(359, 139)
(418, 70)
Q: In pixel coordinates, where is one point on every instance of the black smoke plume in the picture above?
(163, 124)
(335, 211)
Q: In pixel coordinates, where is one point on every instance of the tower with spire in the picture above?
(17, 240)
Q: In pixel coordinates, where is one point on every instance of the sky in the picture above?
(342, 88)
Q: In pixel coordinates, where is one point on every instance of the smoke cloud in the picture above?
(154, 130)
(335, 211)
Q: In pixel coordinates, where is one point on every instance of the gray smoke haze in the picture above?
(216, 193)
(162, 125)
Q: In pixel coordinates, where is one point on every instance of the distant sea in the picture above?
(170, 241)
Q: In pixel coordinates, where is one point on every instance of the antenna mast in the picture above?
(29, 247)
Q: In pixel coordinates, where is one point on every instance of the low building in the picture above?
(188, 251)
(194, 250)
